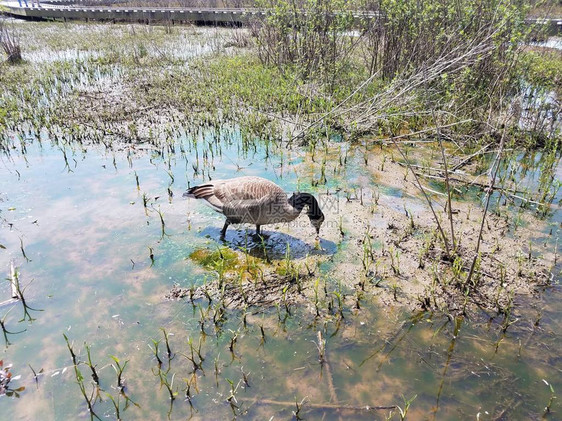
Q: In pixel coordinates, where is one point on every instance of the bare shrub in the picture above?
(10, 42)
(411, 34)
(312, 36)
(239, 38)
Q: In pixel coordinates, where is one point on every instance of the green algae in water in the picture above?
(222, 257)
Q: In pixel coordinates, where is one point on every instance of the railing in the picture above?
(71, 9)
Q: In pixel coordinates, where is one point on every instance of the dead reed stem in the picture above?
(488, 196)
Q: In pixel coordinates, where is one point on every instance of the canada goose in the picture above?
(255, 200)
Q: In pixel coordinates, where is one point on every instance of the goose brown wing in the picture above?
(248, 199)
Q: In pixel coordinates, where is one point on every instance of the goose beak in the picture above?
(317, 239)
(317, 223)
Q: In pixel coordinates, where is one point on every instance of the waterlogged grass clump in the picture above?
(223, 258)
(230, 265)
(241, 279)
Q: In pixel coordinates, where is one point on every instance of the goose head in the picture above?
(314, 213)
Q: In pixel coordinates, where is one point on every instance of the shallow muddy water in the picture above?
(89, 238)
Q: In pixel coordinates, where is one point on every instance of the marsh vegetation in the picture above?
(435, 155)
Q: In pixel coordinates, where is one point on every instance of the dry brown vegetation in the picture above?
(9, 41)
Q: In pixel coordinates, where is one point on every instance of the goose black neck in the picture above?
(300, 200)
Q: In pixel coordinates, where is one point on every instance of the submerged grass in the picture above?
(223, 258)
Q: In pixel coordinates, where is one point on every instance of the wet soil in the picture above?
(389, 248)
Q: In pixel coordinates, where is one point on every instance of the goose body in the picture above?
(255, 200)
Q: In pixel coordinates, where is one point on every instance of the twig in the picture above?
(422, 167)
(13, 282)
(469, 158)
(469, 183)
(333, 395)
(435, 192)
(333, 110)
(8, 302)
(533, 202)
(443, 236)
(447, 183)
(488, 196)
(430, 129)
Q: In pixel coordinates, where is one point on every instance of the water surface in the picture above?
(88, 239)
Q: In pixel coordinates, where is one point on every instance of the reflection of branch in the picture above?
(5, 331)
(397, 338)
(324, 359)
(457, 323)
(36, 375)
(388, 140)
(19, 293)
(366, 408)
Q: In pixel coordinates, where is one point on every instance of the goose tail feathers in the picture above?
(205, 192)
(200, 192)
